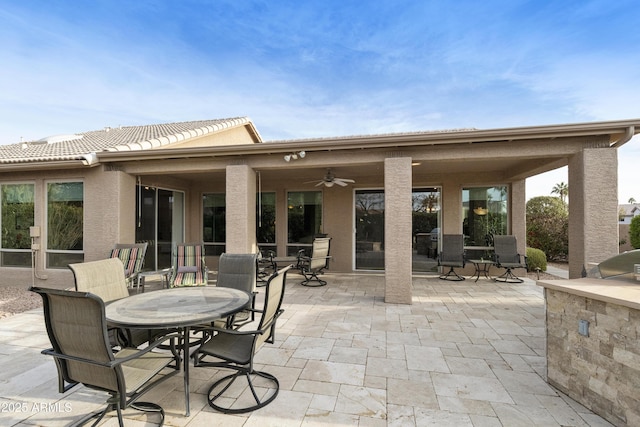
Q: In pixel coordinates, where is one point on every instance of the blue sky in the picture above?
(304, 69)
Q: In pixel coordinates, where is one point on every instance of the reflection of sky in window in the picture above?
(496, 194)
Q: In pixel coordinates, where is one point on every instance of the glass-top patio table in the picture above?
(177, 308)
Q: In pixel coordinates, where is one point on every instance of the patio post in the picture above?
(397, 230)
(593, 207)
(241, 209)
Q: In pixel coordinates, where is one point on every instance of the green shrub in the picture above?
(548, 227)
(536, 259)
(634, 232)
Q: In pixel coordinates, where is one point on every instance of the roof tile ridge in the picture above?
(221, 124)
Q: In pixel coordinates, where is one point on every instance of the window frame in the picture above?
(73, 255)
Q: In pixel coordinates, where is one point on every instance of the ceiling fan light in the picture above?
(329, 183)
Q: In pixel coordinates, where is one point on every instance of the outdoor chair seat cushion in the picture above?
(235, 348)
(140, 370)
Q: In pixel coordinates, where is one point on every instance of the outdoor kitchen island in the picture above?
(593, 344)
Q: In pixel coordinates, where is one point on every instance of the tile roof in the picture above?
(125, 138)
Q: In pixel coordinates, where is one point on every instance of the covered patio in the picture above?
(462, 354)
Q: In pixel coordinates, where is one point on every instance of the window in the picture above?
(426, 228)
(304, 219)
(17, 216)
(214, 223)
(484, 214)
(266, 221)
(369, 229)
(64, 223)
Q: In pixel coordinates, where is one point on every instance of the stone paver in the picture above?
(463, 354)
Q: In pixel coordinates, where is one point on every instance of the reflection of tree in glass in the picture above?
(17, 215)
(64, 216)
(370, 216)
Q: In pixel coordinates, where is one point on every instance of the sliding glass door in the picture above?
(160, 223)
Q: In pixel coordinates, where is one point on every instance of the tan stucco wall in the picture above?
(241, 210)
(338, 223)
(110, 211)
(234, 136)
(397, 230)
(518, 214)
(593, 210)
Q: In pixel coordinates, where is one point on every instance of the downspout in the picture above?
(628, 134)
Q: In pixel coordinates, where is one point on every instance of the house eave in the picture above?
(618, 132)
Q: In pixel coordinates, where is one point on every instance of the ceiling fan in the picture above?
(330, 179)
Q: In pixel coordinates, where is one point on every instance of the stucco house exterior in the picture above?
(70, 198)
(627, 212)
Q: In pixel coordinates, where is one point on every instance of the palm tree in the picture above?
(561, 189)
(632, 201)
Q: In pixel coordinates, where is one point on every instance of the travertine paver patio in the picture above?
(463, 354)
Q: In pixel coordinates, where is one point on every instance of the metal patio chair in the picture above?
(238, 271)
(188, 265)
(132, 257)
(105, 278)
(77, 329)
(311, 267)
(235, 350)
(507, 257)
(452, 256)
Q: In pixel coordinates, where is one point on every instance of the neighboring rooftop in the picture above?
(122, 138)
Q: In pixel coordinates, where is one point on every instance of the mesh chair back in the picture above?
(189, 268)
(76, 326)
(452, 250)
(273, 301)
(104, 278)
(320, 253)
(237, 271)
(506, 249)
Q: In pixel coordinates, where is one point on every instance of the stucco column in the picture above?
(593, 208)
(451, 203)
(518, 208)
(397, 230)
(241, 209)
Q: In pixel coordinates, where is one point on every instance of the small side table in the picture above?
(164, 275)
(482, 267)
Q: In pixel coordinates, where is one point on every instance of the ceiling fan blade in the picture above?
(346, 180)
(319, 183)
(340, 182)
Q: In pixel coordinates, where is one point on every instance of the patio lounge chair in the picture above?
(132, 257)
(238, 271)
(266, 266)
(452, 256)
(311, 267)
(77, 329)
(105, 278)
(235, 349)
(189, 268)
(507, 257)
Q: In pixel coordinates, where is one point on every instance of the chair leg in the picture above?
(452, 275)
(508, 277)
(113, 403)
(311, 279)
(227, 381)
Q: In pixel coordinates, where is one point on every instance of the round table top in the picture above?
(176, 307)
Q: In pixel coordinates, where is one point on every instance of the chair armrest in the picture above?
(117, 361)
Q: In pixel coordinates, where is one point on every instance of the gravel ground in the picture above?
(16, 300)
